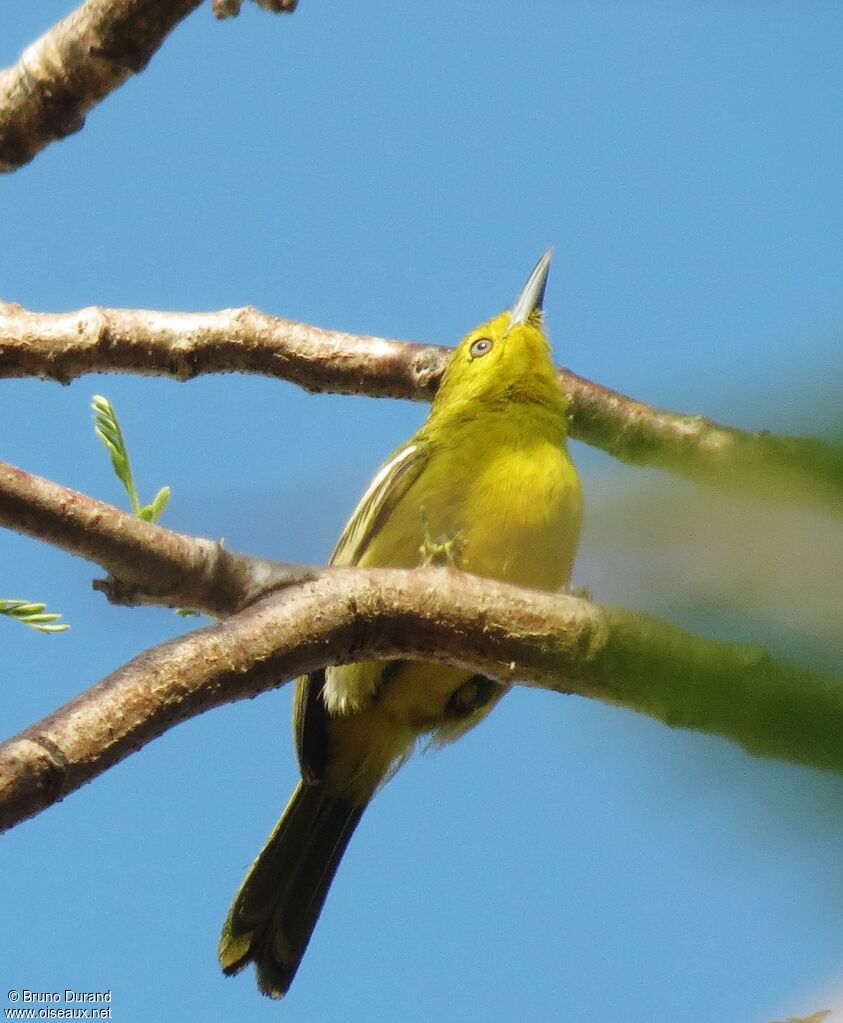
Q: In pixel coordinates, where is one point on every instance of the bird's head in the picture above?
(506, 359)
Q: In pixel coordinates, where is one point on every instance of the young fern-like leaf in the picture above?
(33, 614)
(152, 512)
(107, 428)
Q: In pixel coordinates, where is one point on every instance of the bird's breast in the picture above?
(518, 509)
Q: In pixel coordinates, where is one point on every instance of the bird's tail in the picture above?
(278, 904)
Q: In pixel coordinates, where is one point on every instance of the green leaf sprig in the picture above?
(34, 615)
(107, 428)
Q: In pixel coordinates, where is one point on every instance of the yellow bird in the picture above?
(488, 474)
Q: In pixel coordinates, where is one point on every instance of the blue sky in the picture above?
(396, 169)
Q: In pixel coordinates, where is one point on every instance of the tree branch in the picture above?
(147, 564)
(78, 62)
(337, 615)
(64, 346)
(554, 641)
(75, 64)
(801, 469)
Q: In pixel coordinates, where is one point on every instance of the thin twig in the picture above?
(554, 641)
(63, 346)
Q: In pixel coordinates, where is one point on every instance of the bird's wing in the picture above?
(390, 484)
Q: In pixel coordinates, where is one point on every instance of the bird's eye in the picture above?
(481, 346)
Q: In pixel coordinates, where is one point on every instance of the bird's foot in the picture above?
(441, 550)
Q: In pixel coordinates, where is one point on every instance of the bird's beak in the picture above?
(531, 298)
